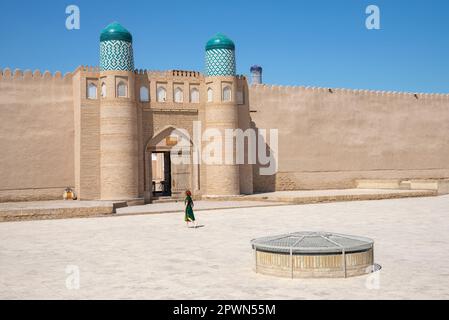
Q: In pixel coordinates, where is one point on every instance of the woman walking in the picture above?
(189, 216)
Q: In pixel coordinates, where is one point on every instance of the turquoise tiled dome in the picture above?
(115, 31)
(116, 49)
(220, 41)
(220, 56)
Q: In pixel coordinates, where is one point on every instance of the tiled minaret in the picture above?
(118, 115)
(221, 111)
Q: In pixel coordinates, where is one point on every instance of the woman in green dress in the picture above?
(189, 216)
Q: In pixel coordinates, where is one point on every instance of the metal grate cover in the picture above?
(312, 243)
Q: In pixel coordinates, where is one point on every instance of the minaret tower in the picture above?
(221, 112)
(256, 74)
(118, 115)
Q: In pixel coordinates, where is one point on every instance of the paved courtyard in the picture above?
(157, 257)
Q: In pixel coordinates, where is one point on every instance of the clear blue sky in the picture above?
(312, 43)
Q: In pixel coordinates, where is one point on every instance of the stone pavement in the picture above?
(332, 195)
(157, 257)
(52, 204)
(278, 198)
(60, 209)
(33, 210)
(199, 205)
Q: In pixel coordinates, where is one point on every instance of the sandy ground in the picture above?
(157, 257)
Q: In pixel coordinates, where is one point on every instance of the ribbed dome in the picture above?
(220, 41)
(115, 31)
(313, 242)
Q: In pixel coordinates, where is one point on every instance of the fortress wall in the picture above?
(246, 170)
(36, 135)
(329, 139)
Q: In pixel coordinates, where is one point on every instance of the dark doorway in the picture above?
(161, 173)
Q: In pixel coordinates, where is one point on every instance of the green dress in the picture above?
(189, 211)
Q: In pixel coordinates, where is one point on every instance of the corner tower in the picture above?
(221, 112)
(118, 115)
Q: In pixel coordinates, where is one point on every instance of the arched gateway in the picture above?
(169, 169)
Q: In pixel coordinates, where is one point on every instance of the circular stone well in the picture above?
(313, 255)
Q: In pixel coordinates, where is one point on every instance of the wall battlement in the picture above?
(18, 74)
(168, 73)
(175, 73)
(153, 73)
(88, 69)
(342, 91)
(183, 73)
(7, 75)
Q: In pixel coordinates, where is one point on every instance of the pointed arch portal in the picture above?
(163, 176)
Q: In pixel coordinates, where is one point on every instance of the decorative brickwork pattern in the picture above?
(220, 62)
(116, 55)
